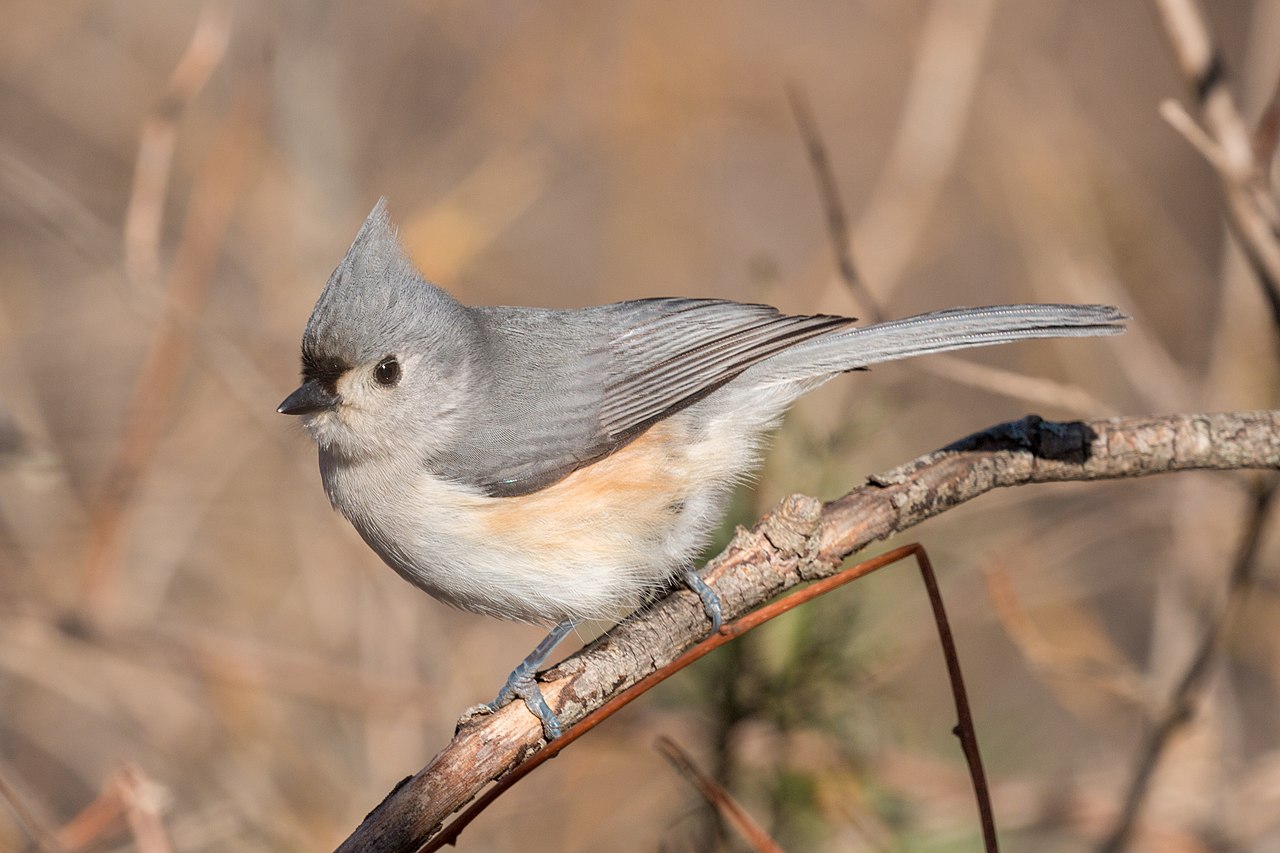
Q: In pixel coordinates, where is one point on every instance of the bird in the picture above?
(552, 466)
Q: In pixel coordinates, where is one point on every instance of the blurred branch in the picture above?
(145, 214)
(1117, 680)
(189, 653)
(213, 200)
(47, 200)
(1226, 142)
(40, 836)
(311, 677)
(1180, 120)
(718, 798)
(1180, 708)
(1034, 390)
(143, 800)
(804, 540)
(1267, 134)
(943, 81)
(829, 192)
(128, 799)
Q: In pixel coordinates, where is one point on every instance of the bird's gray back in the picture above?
(567, 388)
(536, 415)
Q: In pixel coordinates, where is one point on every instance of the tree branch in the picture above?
(1226, 142)
(729, 809)
(803, 540)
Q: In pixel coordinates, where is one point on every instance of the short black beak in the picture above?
(311, 396)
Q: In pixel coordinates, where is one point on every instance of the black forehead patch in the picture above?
(323, 369)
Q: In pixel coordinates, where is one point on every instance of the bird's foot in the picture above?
(523, 684)
(710, 601)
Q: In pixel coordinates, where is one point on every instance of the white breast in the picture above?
(591, 546)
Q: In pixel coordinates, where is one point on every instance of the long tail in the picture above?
(939, 331)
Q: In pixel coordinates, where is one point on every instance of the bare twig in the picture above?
(1034, 390)
(832, 206)
(1180, 120)
(719, 799)
(1180, 707)
(102, 817)
(805, 540)
(143, 800)
(1252, 211)
(964, 729)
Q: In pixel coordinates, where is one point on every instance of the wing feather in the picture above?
(665, 364)
(582, 384)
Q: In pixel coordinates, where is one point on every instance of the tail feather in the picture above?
(939, 331)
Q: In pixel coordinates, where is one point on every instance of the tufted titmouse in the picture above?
(555, 466)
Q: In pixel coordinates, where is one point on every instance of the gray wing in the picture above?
(669, 353)
(579, 385)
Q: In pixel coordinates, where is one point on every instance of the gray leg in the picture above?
(521, 681)
(710, 601)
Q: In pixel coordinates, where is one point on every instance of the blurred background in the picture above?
(188, 630)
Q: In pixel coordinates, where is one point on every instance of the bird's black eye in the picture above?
(387, 372)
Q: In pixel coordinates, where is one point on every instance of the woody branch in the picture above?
(804, 540)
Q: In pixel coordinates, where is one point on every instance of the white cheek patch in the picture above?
(352, 389)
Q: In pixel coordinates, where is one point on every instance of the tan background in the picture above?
(175, 593)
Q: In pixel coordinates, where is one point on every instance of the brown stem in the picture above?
(721, 800)
(964, 729)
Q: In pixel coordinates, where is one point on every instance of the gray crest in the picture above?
(373, 302)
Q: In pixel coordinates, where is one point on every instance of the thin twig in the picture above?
(719, 799)
(1034, 390)
(129, 799)
(101, 818)
(1180, 709)
(832, 206)
(964, 729)
(1180, 120)
(1253, 213)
